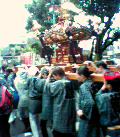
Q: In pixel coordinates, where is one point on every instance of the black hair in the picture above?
(115, 84)
(83, 71)
(44, 71)
(37, 73)
(58, 71)
(9, 70)
(101, 64)
(4, 67)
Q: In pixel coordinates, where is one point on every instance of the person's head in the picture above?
(58, 73)
(15, 69)
(90, 65)
(114, 84)
(83, 73)
(8, 71)
(118, 68)
(101, 66)
(33, 71)
(44, 73)
(112, 81)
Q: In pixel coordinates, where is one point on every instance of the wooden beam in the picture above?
(95, 77)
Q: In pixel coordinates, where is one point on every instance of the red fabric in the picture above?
(6, 102)
(111, 75)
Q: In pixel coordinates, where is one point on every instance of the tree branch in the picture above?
(92, 49)
(108, 38)
(94, 33)
(105, 43)
(110, 43)
(107, 26)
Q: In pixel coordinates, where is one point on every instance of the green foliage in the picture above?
(6, 51)
(36, 47)
(106, 34)
(100, 8)
(14, 50)
(11, 45)
(117, 33)
(76, 2)
(39, 11)
(29, 23)
(42, 29)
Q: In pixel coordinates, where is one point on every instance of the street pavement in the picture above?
(17, 129)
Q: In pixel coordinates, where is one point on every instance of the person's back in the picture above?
(35, 89)
(63, 105)
(63, 97)
(21, 82)
(101, 68)
(87, 111)
(5, 109)
(108, 103)
(21, 85)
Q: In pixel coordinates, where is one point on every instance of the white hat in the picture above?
(33, 70)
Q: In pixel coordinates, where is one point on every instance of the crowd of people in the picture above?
(45, 99)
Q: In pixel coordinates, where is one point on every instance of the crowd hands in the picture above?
(46, 99)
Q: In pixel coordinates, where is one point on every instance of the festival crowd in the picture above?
(45, 99)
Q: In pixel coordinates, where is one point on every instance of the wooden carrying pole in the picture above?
(95, 77)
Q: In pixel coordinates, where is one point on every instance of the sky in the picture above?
(13, 17)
